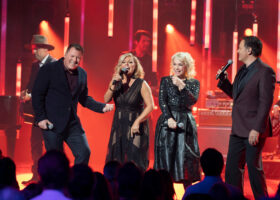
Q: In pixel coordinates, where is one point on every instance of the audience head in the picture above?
(8, 173)
(152, 186)
(212, 162)
(53, 169)
(129, 180)
(168, 188)
(81, 181)
(185, 60)
(101, 189)
(111, 170)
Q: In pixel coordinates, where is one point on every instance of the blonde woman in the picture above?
(176, 146)
(129, 139)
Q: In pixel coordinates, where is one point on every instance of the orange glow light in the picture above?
(44, 25)
(155, 35)
(248, 32)
(255, 29)
(207, 24)
(111, 18)
(18, 78)
(66, 31)
(193, 19)
(234, 54)
(53, 39)
(169, 28)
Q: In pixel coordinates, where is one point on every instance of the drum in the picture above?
(9, 113)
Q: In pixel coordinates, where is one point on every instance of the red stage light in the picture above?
(169, 28)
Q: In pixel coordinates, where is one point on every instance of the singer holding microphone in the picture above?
(176, 146)
(252, 92)
(58, 89)
(129, 138)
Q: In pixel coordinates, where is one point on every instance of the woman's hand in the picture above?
(178, 82)
(172, 123)
(135, 128)
(116, 77)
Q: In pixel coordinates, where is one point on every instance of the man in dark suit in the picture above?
(252, 93)
(40, 47)
(58, 88)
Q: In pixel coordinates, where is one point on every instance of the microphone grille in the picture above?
(230, 61)
(180, 125)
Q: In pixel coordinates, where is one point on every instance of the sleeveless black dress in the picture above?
(177, 150)
(122, 147)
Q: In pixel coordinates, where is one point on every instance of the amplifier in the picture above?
(212, 117)
(219, 103)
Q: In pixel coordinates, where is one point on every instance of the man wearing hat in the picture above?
(40, 47)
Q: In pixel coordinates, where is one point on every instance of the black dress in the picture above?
(122, 147)
(177, 150)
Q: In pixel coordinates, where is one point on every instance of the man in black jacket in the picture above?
(58, 88)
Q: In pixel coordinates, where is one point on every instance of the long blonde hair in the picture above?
(187, 61)
(138, 72)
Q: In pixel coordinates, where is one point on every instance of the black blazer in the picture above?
(253, 100)
(52, 98)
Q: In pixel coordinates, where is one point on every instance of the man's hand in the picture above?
(222, 76)
(43, 124)
(253, 137)
(25, 96)
(108, 107)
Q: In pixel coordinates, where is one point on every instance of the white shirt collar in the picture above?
(44, 60)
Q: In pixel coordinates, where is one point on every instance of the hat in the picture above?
(39, 41)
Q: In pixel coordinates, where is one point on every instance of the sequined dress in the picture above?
(122, 147)
(177, 150)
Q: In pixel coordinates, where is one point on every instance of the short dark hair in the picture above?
(53, 168)
(78, 47)
(212, 162)
(139, 33)
(254, 43)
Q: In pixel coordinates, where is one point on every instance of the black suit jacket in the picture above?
(52, 98)
(252, 100)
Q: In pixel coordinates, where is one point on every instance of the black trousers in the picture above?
(36, 141)
(74, 137)
(239, 153)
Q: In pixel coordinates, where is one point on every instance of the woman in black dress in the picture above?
(129, 139)
(176, 146)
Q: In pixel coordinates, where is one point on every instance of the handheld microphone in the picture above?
(179, 124)
(123, 70)
(50, 126)
(224, 69)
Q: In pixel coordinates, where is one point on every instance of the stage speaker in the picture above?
(213, 137)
